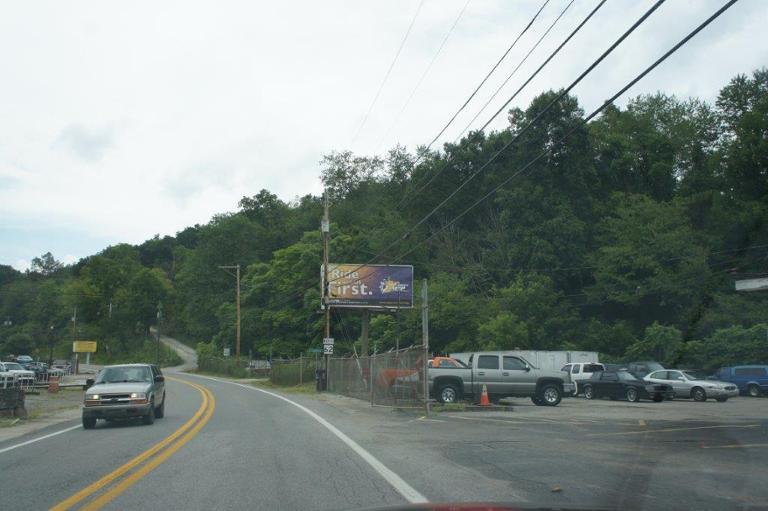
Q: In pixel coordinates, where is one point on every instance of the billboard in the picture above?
(370, 285)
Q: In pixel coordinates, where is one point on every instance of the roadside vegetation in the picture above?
(626, 240)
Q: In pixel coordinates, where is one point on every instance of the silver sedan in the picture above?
(690, 384)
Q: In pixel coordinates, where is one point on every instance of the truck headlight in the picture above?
(138, 395)
(92, 397)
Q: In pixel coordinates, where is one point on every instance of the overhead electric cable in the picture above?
(531, 123)
(551, 56)
(488, 75)
(509, 77)
(386, 75)
(571, 131)
(423, 75)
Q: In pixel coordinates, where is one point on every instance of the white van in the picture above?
(581, 371)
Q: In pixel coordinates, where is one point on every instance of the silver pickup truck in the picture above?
(125, 391)
(503, 375)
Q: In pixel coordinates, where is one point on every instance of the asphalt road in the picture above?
(258, 451)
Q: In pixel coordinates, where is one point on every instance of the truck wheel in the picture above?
(698, 394)
(149, 418)
(89, 423)
(632, 395)
(535, 399)
(753, 390)
(160, 410)
(550, 394)
(448, 394)
(589, 392)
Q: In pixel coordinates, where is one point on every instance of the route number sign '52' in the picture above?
(328, 346)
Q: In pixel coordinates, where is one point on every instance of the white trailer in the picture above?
(553, 360)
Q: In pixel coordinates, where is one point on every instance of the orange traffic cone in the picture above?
(484, 397)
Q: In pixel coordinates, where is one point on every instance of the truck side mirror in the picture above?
(527, 368)
(89, 383)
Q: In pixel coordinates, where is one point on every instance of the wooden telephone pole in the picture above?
(237, 277)
(325, 228)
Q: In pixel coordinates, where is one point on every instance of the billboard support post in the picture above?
(364, 332)
(425, 340)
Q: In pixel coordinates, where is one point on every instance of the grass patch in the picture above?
(306, 388)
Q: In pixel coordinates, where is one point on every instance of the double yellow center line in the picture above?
(146, 461)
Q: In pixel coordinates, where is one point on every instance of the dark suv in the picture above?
(751, 379)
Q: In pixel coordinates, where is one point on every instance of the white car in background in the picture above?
(581, 371)
(689, 384)
(12, 374)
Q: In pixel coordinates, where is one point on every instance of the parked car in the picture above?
(503, 375)
(39, 368)
(24, 360)
(580, 371)
(623, 384)
(695, 386)
(749, 379)
(123, 392)
(14, 371)
(643, 367)
(64, 365)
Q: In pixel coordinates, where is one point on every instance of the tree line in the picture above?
(626, 239)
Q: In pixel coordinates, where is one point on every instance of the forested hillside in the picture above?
(625, 239)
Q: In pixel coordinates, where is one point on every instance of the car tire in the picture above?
(149, 418)
(658, 398)
(160, 410)
(633, 396)
(721, 399)
(89, 422)
(448, 394)
(589, 392)
(753, 391)
(698, 394)
(550, 394)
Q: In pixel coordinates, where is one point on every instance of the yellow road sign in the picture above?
(84, 347)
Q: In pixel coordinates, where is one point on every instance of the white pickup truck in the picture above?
(13, 375)
(580, 371)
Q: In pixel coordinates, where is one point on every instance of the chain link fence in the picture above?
(395, 378)
(296, 371)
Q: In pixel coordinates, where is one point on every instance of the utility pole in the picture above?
(157, 345)
(425, 339)
(325, 228)
(237, 277)
(74, 338)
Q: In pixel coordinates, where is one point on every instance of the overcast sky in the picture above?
(122, 120)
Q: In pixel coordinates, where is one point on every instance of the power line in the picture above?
(493, 96)
(461, 108)
(579, 125)
(423, 75)
(389, 71)
(551, 56)
(530, 124)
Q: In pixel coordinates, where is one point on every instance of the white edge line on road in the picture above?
(22, 444)
(406, 490)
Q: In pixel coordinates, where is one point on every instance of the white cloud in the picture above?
(170, 112)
